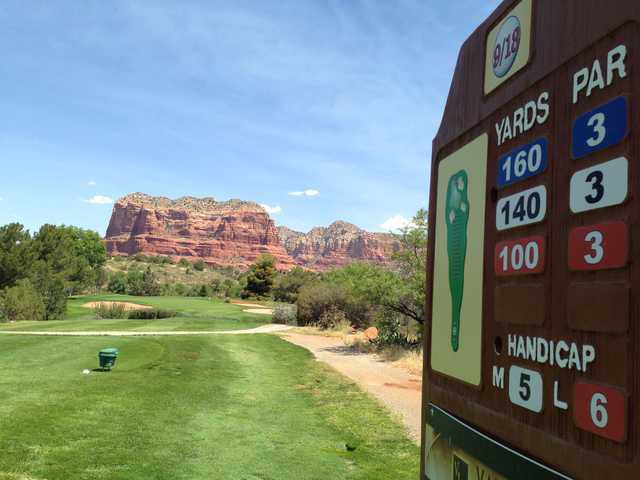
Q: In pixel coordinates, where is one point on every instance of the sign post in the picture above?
(532, 345)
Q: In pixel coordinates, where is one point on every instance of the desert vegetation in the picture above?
(39, 272)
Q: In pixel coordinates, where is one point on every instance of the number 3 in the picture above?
(595, 179)
(597, 123)
(595, 238)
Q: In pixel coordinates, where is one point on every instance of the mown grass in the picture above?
(250, 407)
(194, 314)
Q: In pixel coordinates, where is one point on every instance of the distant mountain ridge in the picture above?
(323, 248)
(234, 233)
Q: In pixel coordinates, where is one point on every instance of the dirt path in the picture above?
(398, 390)
(271, 328)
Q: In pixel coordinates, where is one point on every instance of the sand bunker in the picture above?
(261, 311)
(126, 305)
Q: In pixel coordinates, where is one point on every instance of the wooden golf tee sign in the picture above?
(532, 341)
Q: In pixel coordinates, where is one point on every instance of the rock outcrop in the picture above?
(232, 233)
(323, 248)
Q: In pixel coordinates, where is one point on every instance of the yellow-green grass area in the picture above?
(192, 314)
(236, 407)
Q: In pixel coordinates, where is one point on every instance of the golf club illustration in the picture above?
(457, 217)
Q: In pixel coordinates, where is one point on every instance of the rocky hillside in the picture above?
(234, 233)
(323, 248)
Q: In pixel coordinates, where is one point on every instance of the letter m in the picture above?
(498, 377)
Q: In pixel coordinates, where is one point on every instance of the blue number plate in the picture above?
(600, 128)
(523, 162)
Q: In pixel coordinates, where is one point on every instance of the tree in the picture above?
(289, 284)
(412, 261)
(73, 253)
(16, 256)
(51, 287)
(261, 276)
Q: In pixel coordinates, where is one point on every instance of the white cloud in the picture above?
(306, 193)
(100, 200)
(397, 222)
(271, 210)
(91, 183)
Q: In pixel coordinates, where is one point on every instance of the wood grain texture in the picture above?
(567, 35)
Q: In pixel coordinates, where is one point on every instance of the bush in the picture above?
(22, 302)
(332, 318)
(184, 263)
(198, 265)
(117, 283)
(285, 313)
(316, 299)
(110, 310)
(150, 314)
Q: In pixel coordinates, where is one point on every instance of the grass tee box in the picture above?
(533, 338)
(189, 408)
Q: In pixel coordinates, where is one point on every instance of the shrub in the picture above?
(199, 265)
(180, 289)
(391, 334)
(150, 314)
(317, 298)
(285, 313)
(135, 283)
(117, 283)
(331, 318)
(184, 263)
(22, 302)
(110, 310)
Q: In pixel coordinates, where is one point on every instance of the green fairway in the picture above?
(194, 313)
(216, 407)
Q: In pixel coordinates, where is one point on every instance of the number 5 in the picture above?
(525, 387)
(597, 123)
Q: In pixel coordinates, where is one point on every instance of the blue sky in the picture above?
(243, 99)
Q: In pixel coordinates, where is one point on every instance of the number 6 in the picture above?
(599, 414)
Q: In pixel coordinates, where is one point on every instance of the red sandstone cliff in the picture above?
(232, 233)
(338, 244)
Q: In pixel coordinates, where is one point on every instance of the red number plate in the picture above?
(598, 247)
(601, 410)
(519, 257)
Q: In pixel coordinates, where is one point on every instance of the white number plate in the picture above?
(523, 208)
(525, 388)
(599, 186)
